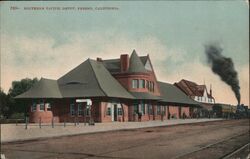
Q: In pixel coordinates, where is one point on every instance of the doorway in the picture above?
(179, 112)
(115, 112)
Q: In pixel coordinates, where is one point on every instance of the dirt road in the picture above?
(200, 140)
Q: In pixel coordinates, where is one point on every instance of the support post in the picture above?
(26, 123)
(85, 118)
(64, 123)
(75, 120)
(40, 121)
(52, 122)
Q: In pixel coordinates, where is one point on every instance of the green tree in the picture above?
(4, 101)
(17, 88)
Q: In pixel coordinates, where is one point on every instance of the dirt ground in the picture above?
(199, 140)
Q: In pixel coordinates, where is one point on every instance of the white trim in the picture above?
(88, 101)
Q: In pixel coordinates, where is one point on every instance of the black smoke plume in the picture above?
(223, 66)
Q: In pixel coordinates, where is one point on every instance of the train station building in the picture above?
(122, 89)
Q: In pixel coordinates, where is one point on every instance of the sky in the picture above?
(48, 43)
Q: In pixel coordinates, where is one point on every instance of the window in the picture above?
(150, 109)
(136, 108)
(134, 83)
(153, 87)
(80, 109)
(142, 108)
(72, 109)
(164, 110)
(33, 107)
(87, 110)
(119, 111)
(147, 83)
(48, 106)
(158, 110)
(42, 106)
(150, 86)
(141, 83)
(108, 112)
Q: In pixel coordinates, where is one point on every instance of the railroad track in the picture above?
(225, 156)
(230, 155)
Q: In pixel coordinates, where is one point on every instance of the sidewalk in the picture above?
(13, 132)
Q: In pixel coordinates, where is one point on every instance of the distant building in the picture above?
(197, 92)
(122, 89)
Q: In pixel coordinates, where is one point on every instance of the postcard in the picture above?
(124, 79)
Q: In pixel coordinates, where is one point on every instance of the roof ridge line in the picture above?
(89, 60)
(59, 88)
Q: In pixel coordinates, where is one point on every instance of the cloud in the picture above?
(201, 73)
(43, 57)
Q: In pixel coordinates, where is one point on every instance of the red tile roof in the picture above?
(191, 88)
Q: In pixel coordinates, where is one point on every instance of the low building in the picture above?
(123, 89)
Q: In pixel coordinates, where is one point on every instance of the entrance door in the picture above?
(179, 111)
(115, 112)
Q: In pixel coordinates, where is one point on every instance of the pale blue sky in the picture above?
(178, 25)
(181, 24)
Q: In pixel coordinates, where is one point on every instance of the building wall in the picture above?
(43, 116)
(109, 117)
(60, 112)
(126, 81)
(185, 110)
(174, 112)
(154, 115)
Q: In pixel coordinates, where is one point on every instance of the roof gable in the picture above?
(193, 89)
(148, 65)
(143, 59)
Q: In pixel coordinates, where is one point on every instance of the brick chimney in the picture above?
(99, 59)
(124, 62)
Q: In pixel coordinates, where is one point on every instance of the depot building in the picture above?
(122, 89)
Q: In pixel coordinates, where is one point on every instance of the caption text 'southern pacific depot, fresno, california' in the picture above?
(122, 89)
